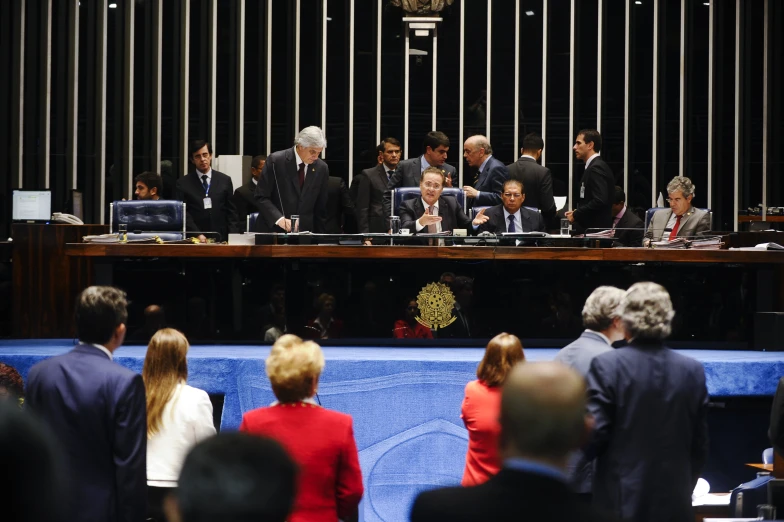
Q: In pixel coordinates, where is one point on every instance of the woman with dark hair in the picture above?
(482, 406)
(11, 384)
(178, 416)
(410, 328)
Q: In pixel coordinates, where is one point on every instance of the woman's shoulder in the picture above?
(194, 393)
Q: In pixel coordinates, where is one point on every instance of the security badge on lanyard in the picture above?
(582, 191)
(207, 200)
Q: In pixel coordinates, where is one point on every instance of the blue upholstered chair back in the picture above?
(164, 218)
(767, 456)
(251, 221)
(651, 211)
(401, 194)
(476, 210)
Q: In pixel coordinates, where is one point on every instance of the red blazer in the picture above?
(481, 407)
(403, 330)
(322, 443)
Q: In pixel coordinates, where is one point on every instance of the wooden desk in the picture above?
(777, 218)
(760, 466)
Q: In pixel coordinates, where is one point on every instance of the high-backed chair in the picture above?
(251, 221)
(163, 218)
(651, 211)
(401, 194)
(475, 211)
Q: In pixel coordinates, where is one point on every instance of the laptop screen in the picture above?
(31, 205)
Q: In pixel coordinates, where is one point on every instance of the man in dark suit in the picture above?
(339, 205)
(542, 420)
(207, 194)
(510, 215)
(97, 409)
(244, 198)
(371, 186)
(537, 180)
(650, 406)
(294, 182)
(490, 174)
(776, 429)
(409, 172)
(432, 212)
(624, 220)
(597, 185)
(149, 186)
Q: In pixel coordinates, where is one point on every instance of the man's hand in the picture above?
(368, 242)
(470, 191)
(428, 219)
(480, 218)
(202, 238)
(569, 214)
(285, 225)
(448, 179)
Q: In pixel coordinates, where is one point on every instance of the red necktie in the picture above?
(301, 173)
(675, 228)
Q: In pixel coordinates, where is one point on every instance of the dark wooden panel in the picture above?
(45, 280)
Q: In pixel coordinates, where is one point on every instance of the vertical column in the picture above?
(489, 67)
(46, 94)
(241, 77)
(434, 96)
(185, 44)
(73, 91)
(269, 77)
(655, 113)
(157, 84)
(516, 144)
(572, 28)
(379, 10)
(737, 143)
(765, 57)
(100, 112)
(127, 132)
(406, 82)
(17, 131)
(711, 23)
(682, 110)
(351, 90)
(599, 63)
(296, 63)
(212, 51)
(324, 70)
(626, 97)
(545, 40)
(461, 100)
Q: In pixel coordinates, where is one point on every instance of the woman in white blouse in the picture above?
(178, 416)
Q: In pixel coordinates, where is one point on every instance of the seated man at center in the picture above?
(681, 219)
(433, 212)
(511, 216)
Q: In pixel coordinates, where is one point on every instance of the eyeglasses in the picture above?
(434, 186)
(675, 200)
(512, 195)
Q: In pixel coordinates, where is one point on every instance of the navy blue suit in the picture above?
(96, 408)
(491, 183)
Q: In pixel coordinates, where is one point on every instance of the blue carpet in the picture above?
(405, 401)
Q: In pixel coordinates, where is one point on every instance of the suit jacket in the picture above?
(578, 355)
(408, 174)
(245, 203)
(329, 484)
(629, 238)
(511, 495)
(221, 218)
(97, 409)
(280, 182)
(776, 431)
(491, 183)
(339, 205)
(650, 438)
(538, 183)
(594, 210)
(479, 411)
(693, 223)
(531, 221)
(371, 186)
(452, 216)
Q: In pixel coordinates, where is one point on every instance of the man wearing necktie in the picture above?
(597, 185)
(295, 182)
(371, 184)
(681, 219)
(490, 173)
(207, 195)
(511, 216)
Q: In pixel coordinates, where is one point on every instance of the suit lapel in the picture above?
(446, 215)
(381, 180)
(310, 171)
(500, 221)
(291, 174)
(685, 219)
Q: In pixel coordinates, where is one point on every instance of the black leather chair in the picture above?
(401, 194)
(146, 219)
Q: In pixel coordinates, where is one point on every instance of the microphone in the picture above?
(277, 187)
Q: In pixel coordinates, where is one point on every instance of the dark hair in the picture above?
(257, 159)
(152, 180)
(533, 142)
(390, 140)
(11, 380)
(99, 311)
(198, 144)
(517, 182)
(620, 195)
(592, 136)
(434, 139)
(236, 477)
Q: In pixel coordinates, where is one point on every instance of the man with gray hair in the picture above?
(294, 182)
(602, 328)
(649, 406)
(681, 219)
(542, 420)
(488, 182)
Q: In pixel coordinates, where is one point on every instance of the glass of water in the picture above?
(565, 227)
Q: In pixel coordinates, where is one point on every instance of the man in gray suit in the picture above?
(602, 328)
(537, 180)
(409, 172)
(681, 219)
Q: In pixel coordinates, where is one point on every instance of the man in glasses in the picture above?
(511, 215)
(681, 219)
(433, 213)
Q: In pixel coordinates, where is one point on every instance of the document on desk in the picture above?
(713, 499)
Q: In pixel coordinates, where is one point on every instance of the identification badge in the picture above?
(207, 203)
(582, 191)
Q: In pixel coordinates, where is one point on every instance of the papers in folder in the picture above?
(102, 238)
(709, 243)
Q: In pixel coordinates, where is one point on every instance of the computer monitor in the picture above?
(31, 205)
(76, 204)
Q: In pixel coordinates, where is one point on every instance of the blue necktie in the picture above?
(204, 183)
(511, 224)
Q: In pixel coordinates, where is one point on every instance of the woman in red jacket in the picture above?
(482, 406)
(321, 442)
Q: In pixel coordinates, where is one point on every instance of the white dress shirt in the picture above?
(102, 348)
(517, 221)
(420, 226)
(186, 420)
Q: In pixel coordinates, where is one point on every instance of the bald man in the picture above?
(542, 419)
(490, 174)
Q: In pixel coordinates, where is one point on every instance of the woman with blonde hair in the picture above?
(482, 406)
(321, 442)
(178, 416)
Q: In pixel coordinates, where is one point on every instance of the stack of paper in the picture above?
(602, 233)
(678, 242)
(102, 238)
(711, 243)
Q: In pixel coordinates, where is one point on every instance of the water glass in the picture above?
(766, 512)
(294, 224)
(394, 225)
(122, 230)
(565, 227)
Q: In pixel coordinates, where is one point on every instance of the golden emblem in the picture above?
(435, 303)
